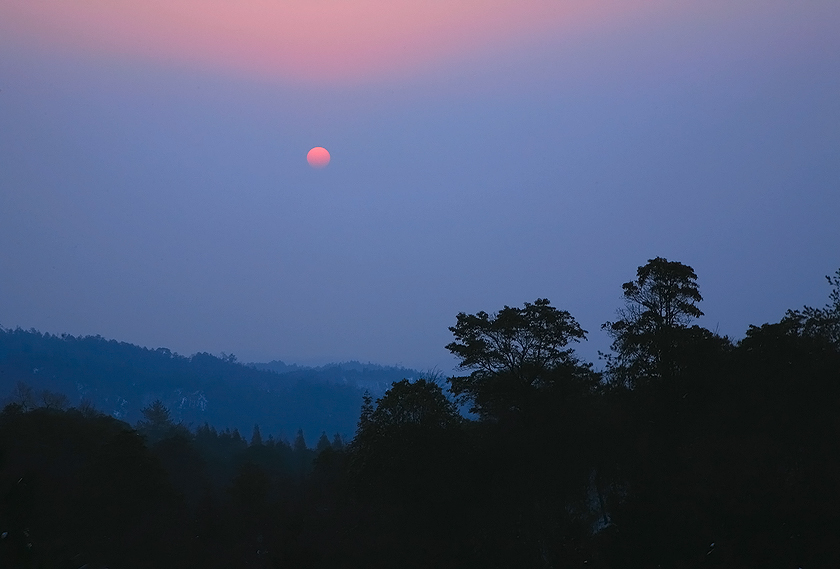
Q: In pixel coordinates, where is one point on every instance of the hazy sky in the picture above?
(154, 185)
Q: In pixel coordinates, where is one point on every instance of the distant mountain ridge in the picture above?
(120, 379)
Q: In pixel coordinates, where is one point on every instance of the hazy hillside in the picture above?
(374, 378)
(120, 379)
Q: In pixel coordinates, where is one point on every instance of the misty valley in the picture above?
(678, 448)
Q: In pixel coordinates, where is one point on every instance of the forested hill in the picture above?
(120, 379)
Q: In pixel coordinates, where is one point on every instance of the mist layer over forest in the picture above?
(687, 449)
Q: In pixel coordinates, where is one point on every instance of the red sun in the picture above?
(318, 157)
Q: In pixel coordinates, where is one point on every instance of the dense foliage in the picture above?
(688, 450)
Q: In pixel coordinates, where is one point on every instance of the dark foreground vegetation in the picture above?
(688, 450)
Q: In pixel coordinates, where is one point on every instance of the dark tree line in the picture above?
(688, 450)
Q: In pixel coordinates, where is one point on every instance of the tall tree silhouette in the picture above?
(405, 466)
(513, 354)
(256, 437)
(400, 437)
(659, 305)
(323, 442)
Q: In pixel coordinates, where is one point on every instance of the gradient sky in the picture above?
(154, 185)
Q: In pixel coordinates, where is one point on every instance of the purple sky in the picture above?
(167, 203)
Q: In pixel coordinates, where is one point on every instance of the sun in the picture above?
(318, 157)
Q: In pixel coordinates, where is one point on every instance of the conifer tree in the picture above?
(256, 437)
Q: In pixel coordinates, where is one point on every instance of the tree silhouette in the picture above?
(256, 437)
(823, 323)
(157, 423)
(659, 304)
(23, 396)
(323, 442)
(337, 442)
(513, 354)
(405, 421)
(405, 458)
(300, 442)
(78, 489)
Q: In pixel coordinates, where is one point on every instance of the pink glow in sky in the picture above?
(322, 40)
